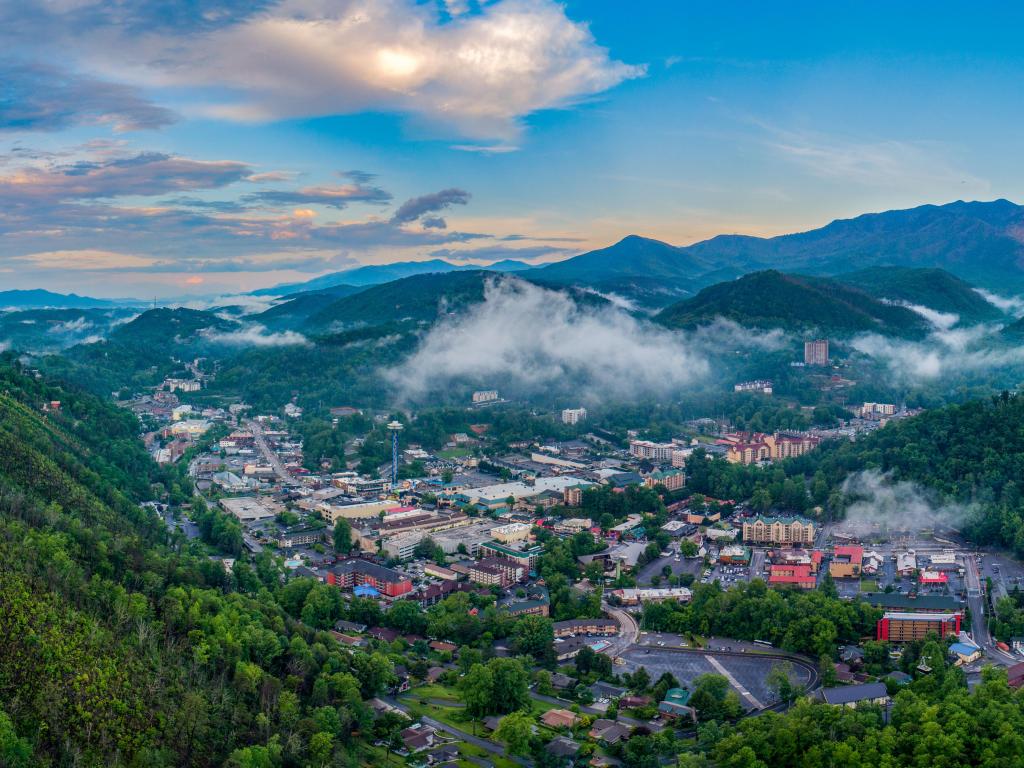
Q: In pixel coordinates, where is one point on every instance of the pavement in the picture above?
(461, 735)
(271, 456)
(629, 630)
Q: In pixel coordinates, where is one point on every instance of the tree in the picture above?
(713, 699)
(407, 617)
(511, 686)
(779, 681)
(533, 636)
(516, 730)
(477, 689)
(322, 606)
(342, 535)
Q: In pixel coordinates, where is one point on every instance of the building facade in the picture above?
(816, 352)
(778, 530)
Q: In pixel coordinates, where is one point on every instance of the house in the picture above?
(561, 682)
(349, 626)
(900, 678)
(675, 705)
(449, 753)
(491, 723)
(559, 718)
(852, 655)
(563, 748)
(434, 674)
(852, 695)
(608, 731)
(402, 683)
(417, 737)
(964, 653)
(603, 690)
(442, 647)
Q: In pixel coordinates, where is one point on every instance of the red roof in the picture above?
(791, 574)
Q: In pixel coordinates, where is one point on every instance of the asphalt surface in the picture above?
(271, 456)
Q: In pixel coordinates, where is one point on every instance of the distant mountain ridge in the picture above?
(981, 242)
(39, 298)
(376, 274)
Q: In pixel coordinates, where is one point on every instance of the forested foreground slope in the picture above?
(117, 645)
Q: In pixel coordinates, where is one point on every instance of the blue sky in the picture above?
(156, 148)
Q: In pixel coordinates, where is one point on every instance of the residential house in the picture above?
(852, 695)
(559, 718)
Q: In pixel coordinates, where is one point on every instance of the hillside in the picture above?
(929, 287)
(771, 299)
(298, 307)
(976, 241)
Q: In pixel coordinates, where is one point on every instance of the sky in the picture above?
(169, 149)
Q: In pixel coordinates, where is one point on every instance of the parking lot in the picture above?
(747, 675)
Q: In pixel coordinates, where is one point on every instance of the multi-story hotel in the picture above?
(905, 627)
(778, 530)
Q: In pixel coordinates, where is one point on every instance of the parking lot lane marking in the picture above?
(734, 682)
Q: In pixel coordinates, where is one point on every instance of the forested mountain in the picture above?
(977, 241)
(771, 299)
(928, 287)
(50, 330)
(299, 307)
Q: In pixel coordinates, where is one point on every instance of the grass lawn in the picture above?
(499, 761)
(868, 585)
(435, 691)
(453, 716)
(453, 453)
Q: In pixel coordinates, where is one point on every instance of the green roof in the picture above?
(677, 696)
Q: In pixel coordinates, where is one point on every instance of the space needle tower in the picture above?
(394, 428)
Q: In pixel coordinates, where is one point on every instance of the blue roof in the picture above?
(963, 649)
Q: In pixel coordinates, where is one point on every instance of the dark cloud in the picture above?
(39, 97)
(334, 197)
(434, 222)
(412, 209)
(147, 173)
(139, 16)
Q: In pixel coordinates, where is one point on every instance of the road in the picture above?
(979, 622)
(629, 630)
(271, 457)
(459, 734)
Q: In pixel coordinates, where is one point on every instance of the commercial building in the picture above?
(511, 533)
(816, 352)
(353, 509)
(876, 410)
(401, 547)
(631, 596)
(899, 602)
(572, 525)
(778, 530)
(485, 396)
(250, 508)
(675, 705)
(799, 576)
(359, 573)
(495, 497)
(852, 695)
(439, 572)
(300, 537)
(645, 449)
(734, 554)
(574, 415)
(904, 627)
(672, 479)
(847, 561)
(604, 627)
(526, 557)
(761, 385)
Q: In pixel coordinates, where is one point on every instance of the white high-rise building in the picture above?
(574, 415)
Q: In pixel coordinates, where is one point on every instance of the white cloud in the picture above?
(537, 339)
(256, 335)
(876, 500)
(1013, 305)
(942, 320)
(476, 73)
(943, 352)
(878, 164)
(71, 326)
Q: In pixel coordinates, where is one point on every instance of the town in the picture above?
(585, 553)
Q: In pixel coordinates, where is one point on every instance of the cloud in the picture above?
(334, 197)
(40, 97)
(942, 353)
(941, 320)
(1013, 305)
(256, 335)
(486, 149)
(536, 339)
(875, 500)
(71, 326)
(85, 259)
(474, 75)
(882, 164)
(416, 207)
(146, 173)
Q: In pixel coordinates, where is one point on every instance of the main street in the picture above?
(269, 455)
(979, 621)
